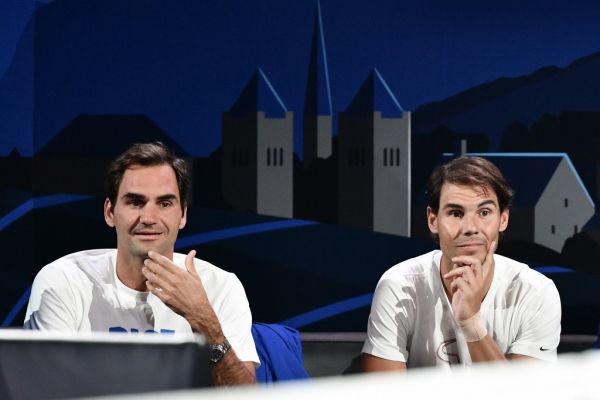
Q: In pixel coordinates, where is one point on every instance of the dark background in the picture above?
(79, 81)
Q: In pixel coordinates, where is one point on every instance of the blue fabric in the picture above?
(280, 353)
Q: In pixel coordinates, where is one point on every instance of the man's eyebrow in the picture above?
(487, 202)
(453, 206)
(133, 196)
(169, 196)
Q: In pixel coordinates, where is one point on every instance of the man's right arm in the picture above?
(47, 308)
(385, 348)
(371, 363)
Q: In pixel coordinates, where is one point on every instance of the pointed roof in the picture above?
(375, 95)
(259, 95)
(528, 173)
(318, 94)
(105, 135)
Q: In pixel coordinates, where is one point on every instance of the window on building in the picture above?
(397, 157)
(385, 157)
(553, 229)
(566, 203)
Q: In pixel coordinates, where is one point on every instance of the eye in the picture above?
(135, 203)
(455, 213)
(485, 213)
(165, 204)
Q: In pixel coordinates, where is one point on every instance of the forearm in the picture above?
(231, 371)
(485, 350)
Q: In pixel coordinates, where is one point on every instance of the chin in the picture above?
(477, 253)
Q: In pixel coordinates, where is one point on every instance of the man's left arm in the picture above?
(539, 332)
(538, 335)
(183, 291)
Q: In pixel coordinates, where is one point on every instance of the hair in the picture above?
(469, 171)
(147, 155)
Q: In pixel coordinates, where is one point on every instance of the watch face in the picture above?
(216, 354)
(217, 351)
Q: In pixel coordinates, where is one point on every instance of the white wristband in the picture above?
(473, 328)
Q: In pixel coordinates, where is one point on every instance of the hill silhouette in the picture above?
(493, 106)
(105, 136)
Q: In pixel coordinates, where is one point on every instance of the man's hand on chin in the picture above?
(182, 290)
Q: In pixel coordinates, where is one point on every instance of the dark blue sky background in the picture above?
(183, 63)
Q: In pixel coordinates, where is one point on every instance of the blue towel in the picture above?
(280, 352)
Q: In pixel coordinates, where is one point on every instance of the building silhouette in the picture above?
(317, 101)
(257, 151)
(374, 161)
(362, 181)
(551, 203)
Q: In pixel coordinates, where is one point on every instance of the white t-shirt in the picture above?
(81, 292)
(411, 317)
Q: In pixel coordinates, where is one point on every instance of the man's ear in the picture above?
(504, 220)
(183, 218)
(432, 221)
(108, 214)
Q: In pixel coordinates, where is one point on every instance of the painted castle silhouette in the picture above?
(372, 171)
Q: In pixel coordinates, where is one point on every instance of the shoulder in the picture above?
(413, 268)
(414, 272)
(518, 278)
(512, 270)
(81, 265)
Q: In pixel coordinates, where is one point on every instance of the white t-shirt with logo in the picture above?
(81, 292)
(411, 317)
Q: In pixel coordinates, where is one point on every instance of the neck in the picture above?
(129, 271)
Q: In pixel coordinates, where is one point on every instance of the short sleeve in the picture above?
(51, 305)
(539, 333)
(390, 321)
(236, 321)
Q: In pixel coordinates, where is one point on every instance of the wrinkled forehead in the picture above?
(466, 194)
(158, 180)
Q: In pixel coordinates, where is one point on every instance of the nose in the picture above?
(148, 214)
(469, 224)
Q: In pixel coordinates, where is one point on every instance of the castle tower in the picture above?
(257, 151)
(317, 103)
(374, 161)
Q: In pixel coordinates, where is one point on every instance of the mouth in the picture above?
(147, 235)
(471, 246)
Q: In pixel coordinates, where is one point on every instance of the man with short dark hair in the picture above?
(143, 285)
(462, 304)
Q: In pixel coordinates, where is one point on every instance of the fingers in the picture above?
(153, 280)
(461, 272)
(189, 262)
(163, 261)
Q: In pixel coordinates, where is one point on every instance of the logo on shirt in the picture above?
(448, 352)
(544, 349)
(120, 329)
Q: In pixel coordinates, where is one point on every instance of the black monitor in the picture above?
(37, 365)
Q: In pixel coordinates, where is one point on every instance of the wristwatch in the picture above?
(216, 352)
